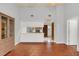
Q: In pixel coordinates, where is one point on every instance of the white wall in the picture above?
(59, 24)
(38, 12)
(13, 11)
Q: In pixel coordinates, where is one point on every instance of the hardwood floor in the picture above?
(42, 49)
(77, 53)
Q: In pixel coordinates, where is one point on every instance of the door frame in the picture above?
(53, 31)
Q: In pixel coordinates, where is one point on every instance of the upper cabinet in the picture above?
(6, 34)
(11, 28)
(4, 27)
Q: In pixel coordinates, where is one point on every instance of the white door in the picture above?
(72, 28)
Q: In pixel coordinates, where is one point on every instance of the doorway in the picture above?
(45, 30)
(72, 31)
(48, 31)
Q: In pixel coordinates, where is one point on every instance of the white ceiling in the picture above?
(38, 4)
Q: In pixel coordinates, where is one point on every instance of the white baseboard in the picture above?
(16, 43)
(60, 43)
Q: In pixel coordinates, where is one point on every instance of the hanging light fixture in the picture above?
(31, 15)
(48, 21)
(49, 15)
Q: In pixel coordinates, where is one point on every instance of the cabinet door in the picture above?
(4, 27)
(11, 26)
